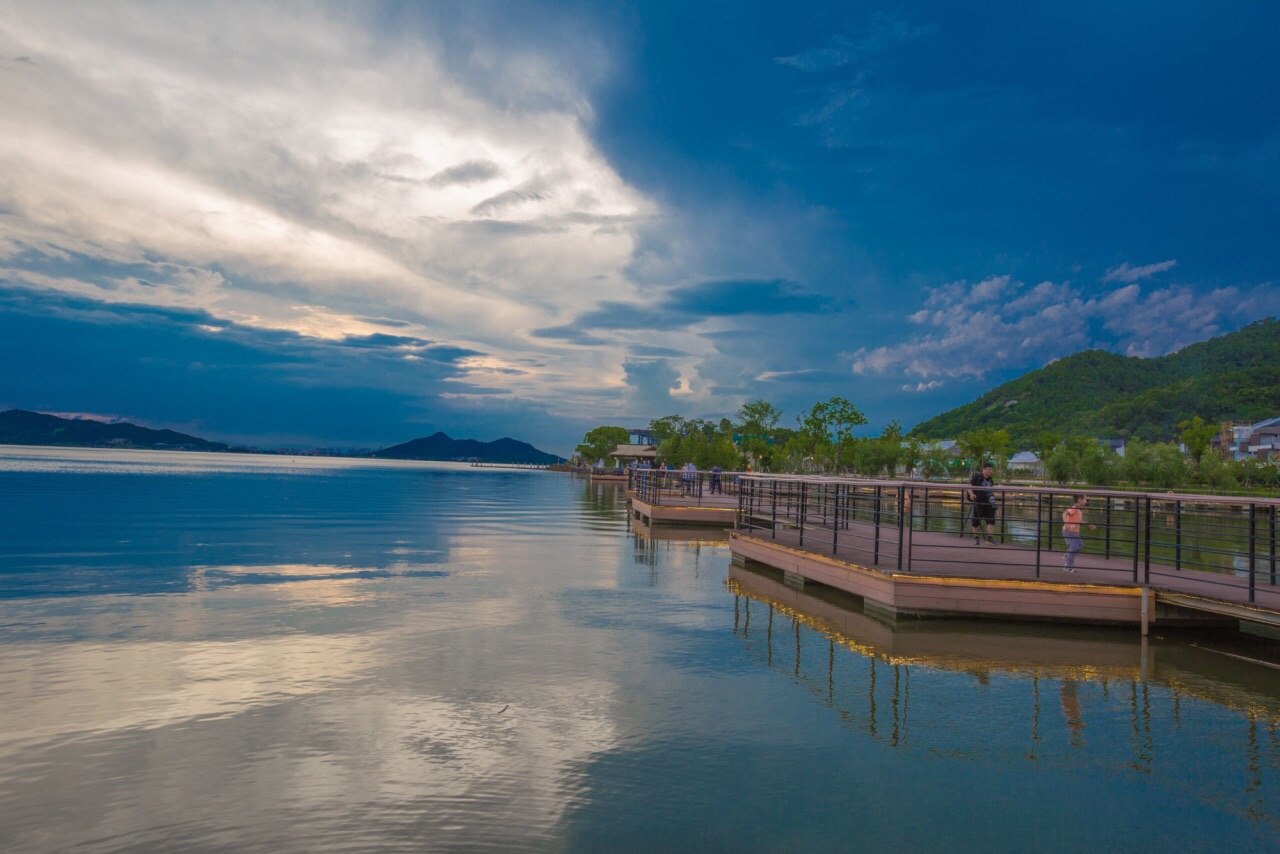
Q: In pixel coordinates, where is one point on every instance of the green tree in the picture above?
(758, 417)
(1062, 465)
(825, 430)
(1197, 436)
(984, 444)
(666, 427)
(600, 442)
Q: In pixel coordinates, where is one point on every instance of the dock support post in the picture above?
(1146, 600)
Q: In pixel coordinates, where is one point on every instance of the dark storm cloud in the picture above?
(735, 297)
(689, 304)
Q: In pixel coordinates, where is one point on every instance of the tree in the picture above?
(1197, 436)
(827, 428)
(984, 444)
(599, 443)
(759, 416)
(666, 427)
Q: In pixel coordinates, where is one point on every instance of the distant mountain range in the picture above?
(20, 427)
(440, 447)
(1235, 377)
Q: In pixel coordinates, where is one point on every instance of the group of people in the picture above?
(689, 477)
(983, 514)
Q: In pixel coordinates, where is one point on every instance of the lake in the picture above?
(222, 652)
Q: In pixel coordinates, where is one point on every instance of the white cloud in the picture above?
(1029, 327)
(266, 157)
(1125, 273)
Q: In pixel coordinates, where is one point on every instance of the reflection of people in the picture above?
(1071, 708)
(984, 500)
(1071, 519)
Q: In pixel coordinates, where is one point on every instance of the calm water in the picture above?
(211, 652)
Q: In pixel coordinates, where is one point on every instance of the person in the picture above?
(715, 481)
(984, 501)
(688, 475)
(1071, 519)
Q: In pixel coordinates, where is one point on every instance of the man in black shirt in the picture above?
(984, 501)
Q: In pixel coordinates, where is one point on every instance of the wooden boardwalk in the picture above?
(966, 579)
(673, 508)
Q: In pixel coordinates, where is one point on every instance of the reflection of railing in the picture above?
(1064, 699)
(698, 488)
(1131, 537)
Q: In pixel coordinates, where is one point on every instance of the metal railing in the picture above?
(1128, 537)
(699, 488)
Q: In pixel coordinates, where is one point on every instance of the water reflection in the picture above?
(1197, 722)
(436, 657)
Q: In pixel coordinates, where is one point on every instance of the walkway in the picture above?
(803, 526)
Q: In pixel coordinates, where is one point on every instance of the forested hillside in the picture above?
(1094, 393)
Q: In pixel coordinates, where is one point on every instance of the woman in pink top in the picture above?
(1071, 519)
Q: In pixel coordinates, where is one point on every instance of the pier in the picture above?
(907, 549)
(666, 497)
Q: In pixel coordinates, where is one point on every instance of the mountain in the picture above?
(20, 427)
(440, 447)
(1235, 377)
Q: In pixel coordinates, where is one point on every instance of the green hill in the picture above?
(1094, 393)
(20, 427)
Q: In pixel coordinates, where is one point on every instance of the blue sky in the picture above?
(355, 224)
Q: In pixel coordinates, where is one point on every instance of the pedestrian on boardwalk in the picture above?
(1071, 519)
(687, 476)
(715, 481)
(984, 501)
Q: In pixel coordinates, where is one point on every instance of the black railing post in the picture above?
(1146, 549)
(1177, 535)
(1049, 526)
(1039, 525)
(1136, 520)
(740, 516)
(835, 523)
(1109, 502)
(1273, 544)
(804, 508)
(773, 518)
(901, 494)
(1004, 520)
(1253, 549)
(875, 527)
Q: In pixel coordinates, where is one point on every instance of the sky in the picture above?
(353, 224)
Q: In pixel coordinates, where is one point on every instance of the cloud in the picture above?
(470, 172)
(724, 298)
(1125, 273)
(883, 33)
(1001, 324)
(650, 383)
(316, 170)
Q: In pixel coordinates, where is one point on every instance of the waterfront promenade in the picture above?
(907, 549)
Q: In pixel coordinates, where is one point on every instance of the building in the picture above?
(625, 455)
(1026, 463)
(1260, 441)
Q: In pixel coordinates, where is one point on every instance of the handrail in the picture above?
(1225, 544)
